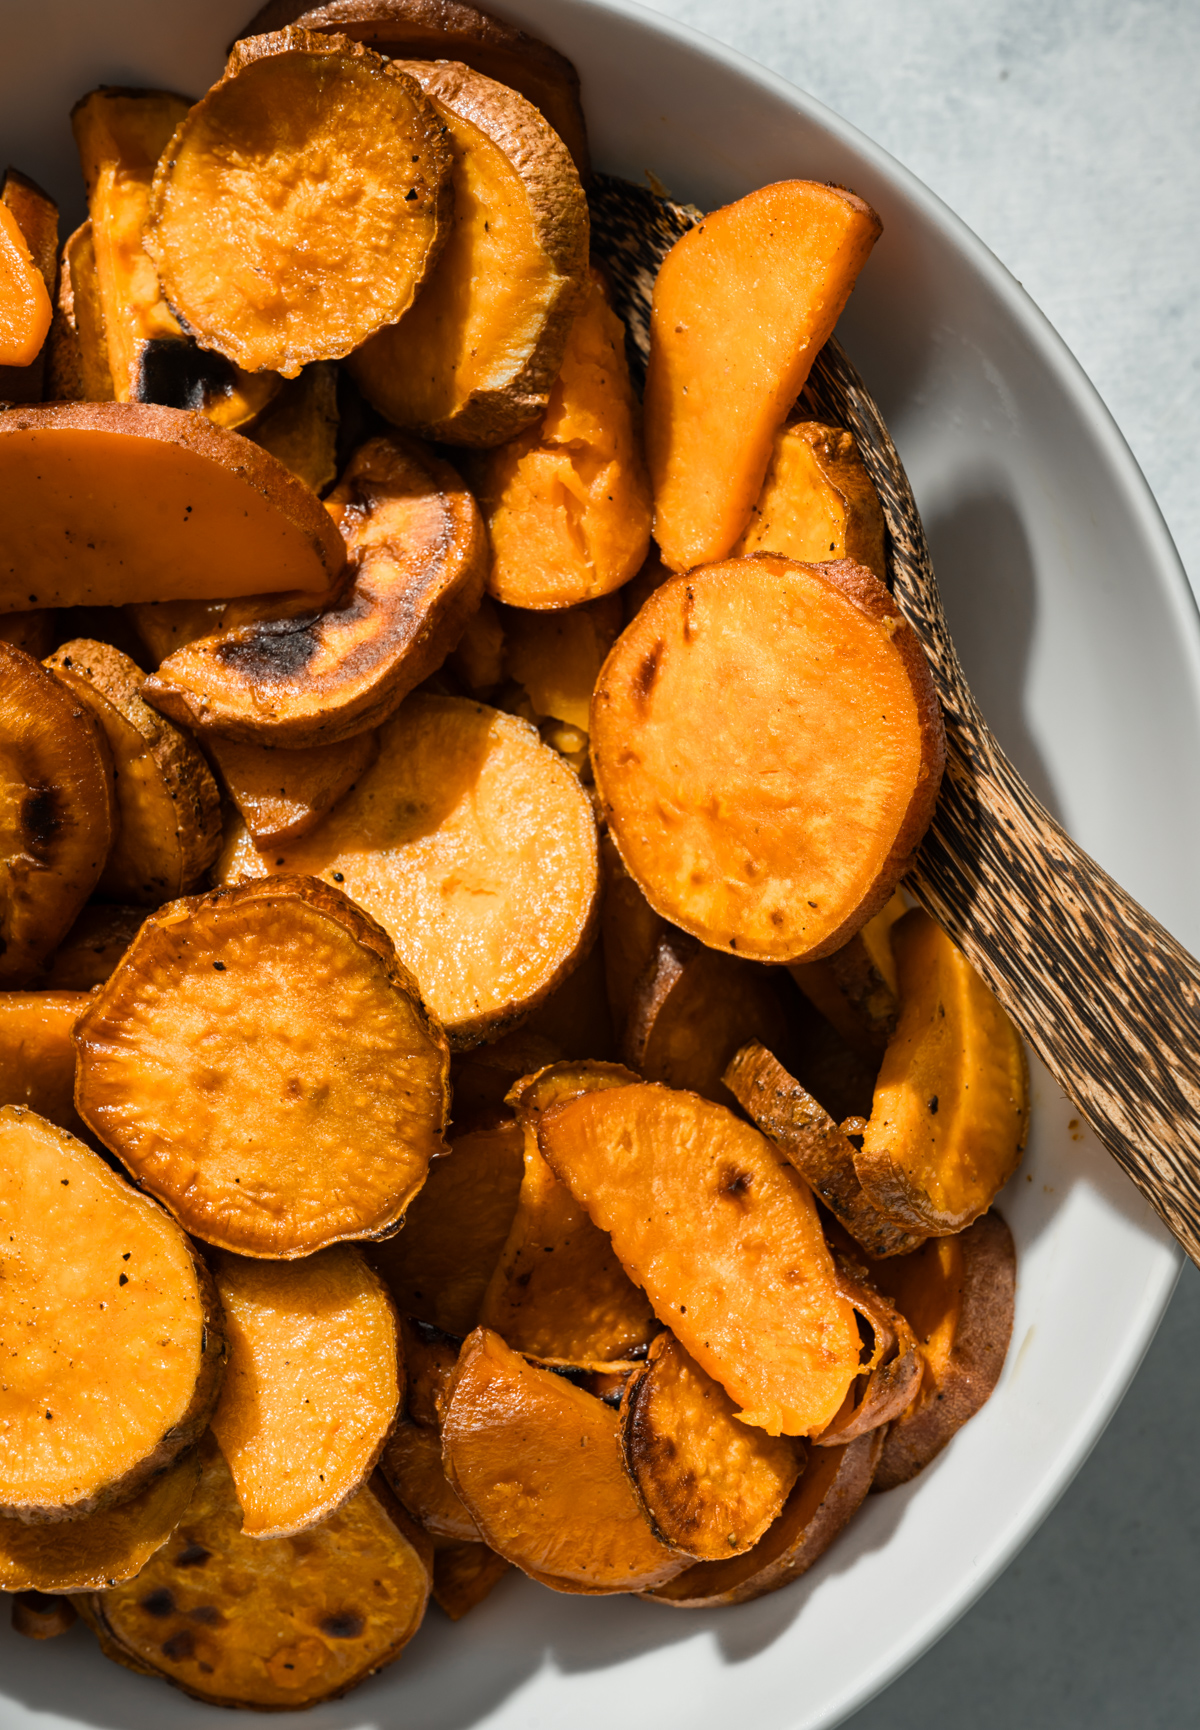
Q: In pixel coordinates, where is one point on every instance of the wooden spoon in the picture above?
(1103, 993)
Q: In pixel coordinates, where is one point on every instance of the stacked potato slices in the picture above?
(473, 1094)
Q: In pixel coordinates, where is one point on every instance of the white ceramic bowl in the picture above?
(1079, 633)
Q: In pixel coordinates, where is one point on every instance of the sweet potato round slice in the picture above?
(768, 746)
(301, 203)
(262, 1063)
(710, 1483)
(101, 1549)
(57, 817)
(724, 1239)
(113, 1352)
(91, 949)
(37, 1053)
(168, 806)
(412, 1460)
(817, 501)
(474, 360)
(538, 1463)
(417, 551)
(275, 1624)
(280, 794)
(107, 502)
(464, 1574)
(951, 1110)
(474, 846)
(311, 1388)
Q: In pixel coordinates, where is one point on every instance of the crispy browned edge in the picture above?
(653, 986)
(976, 1359)
(894, 1372)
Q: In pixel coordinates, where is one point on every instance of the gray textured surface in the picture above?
(1068, 136)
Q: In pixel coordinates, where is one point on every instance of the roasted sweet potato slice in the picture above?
(731, 345)
(100, 1549)
(890, 1360)
(957, 1293)
(57, 817)
(768, 746)
(300, 426)
(274, 676)
(37, 1053)
(951, 1107)
(168, 806)
(474, 360)
(630, 930)
(301, 203)
(161, 627)
(412, 1460)
(90, 950)
(710, 1483)
(35, 216)
(482, 1077)
(568, 502)
(114, 1353)
(557, 656)
(723, 1237)
(83, 356)
(312, 1385)
(276, 1624)
(463, 1575)
(576, 1016)
(817, 501)
(827, 1495)
(281, 794)
(41, 1615)
(262, 1063)
(111, 502)
(819, 1148)
(474, 846)
(25, 309)
(856, 988)
(35, 630)
(538, 1462)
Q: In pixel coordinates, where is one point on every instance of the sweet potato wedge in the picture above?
(281, 794)
(100, 1549)
(817, 501)
(41, 1615)
(819, 1148)
(890, 1360)
(567, 502)
(35, 216)
(710, 1484)
(538, 1462)
(856, 988)
(111, 502)
(25, 309)
(723, 1237)
(300, 203)
(957, 1293)
(262, 1063)
(312, 1385)
(57, 815)
(827, 1495)
(474, 846)
(114, 1354)
(37, 1053)
(463, 1575)
(275, 1624)
(91, 949)
(951, 1109)
(273, 675)
(451, 30)
(768, 746)
(731, 345)
(168, 806)
(473, 361)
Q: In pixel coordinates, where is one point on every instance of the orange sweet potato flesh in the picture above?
(274, 1624)
(731, 344)
(25, 309)
(312, 1384)
(723, 1237)
(36, 216)
(951, 1108)
(111, 502)
(817, 501)
(463, 1575)
(538, 1463)
(114, 1353)
(768, 746)
(90, 950)
(262, 1063)
(37, 1053)
(556, 656)
(281, 794)
(274, 676)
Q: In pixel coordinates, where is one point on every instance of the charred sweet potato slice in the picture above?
(538, 1462)
(90, 950)
(281, 794)
(37, 1053)
(723, 1237)
(710, 1483)
(57, 816)
(262, 1063)
(951, 1107)
(275, 1624)
(463, 1575)
(890, 1360)
(827, 1495)
(311, 1388)
(856, 987)
(474, 360)
(567, 502)
(819, 1148)
(111, 502)
(731, 345)
(817, 501)
(25, 309)
(100, 1549)
(168, 806)
(301, 203)
(957, 1293)
(768, 746)
(273, 676)
(35, 215)
(113, 1353)
(474, 846)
